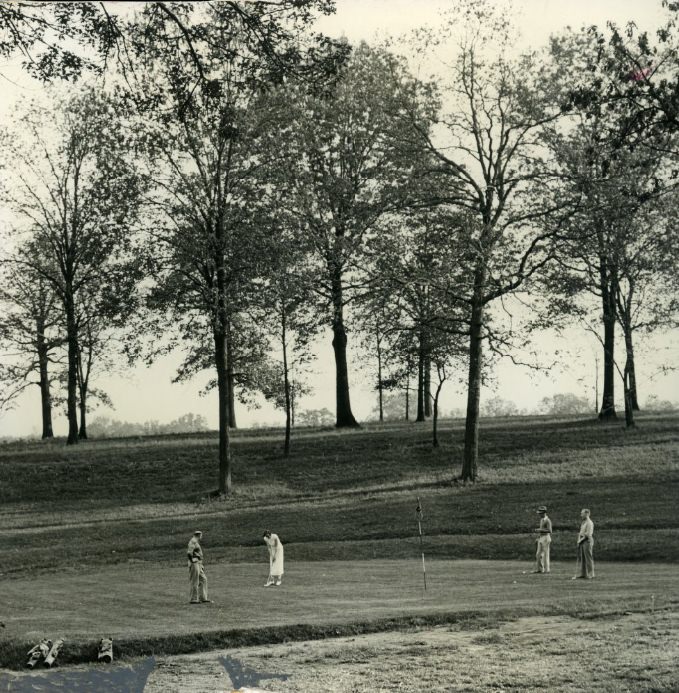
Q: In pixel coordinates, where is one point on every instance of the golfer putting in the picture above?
(276, 559)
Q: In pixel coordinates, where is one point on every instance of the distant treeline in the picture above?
(105, 427)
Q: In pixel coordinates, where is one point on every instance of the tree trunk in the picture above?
(232, 398)
(609, 288)
(608, 398)
(629, 410)
(379, 377)
(286, 386)
(72, 378)
(230, 378)
(344, 415)
(221, 361)
(420, 380)
(435, 441)
(82, 429)
(220, 330)
(82, 395)
(45, 397)
(407, 417)
(629, 365)
(471, 429)
(427, 385)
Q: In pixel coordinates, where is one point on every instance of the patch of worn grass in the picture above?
(554, 654)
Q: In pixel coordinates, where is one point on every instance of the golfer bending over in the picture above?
(275, 558)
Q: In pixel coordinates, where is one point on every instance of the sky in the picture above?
(141, 393)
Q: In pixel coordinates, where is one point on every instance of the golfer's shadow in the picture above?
(244, 676)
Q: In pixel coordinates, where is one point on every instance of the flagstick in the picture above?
(419, 525)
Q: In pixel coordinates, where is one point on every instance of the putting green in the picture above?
(149, 599)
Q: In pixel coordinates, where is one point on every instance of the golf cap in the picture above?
(197, 532)
(542, 509)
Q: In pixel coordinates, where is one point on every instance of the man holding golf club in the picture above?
(585, 564)
(197, 577)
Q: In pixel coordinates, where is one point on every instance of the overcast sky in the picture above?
(142, 394)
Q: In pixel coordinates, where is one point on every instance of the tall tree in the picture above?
(205, 238)
(646, 297)
(485, 123)
(209, 164)
(342, 174)
(103, 316)
(286, 306)
(78, 192)
(413, 264)
(619, 181)
(30, 335)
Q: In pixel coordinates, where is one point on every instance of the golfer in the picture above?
(543, 541)
(585, 565)
(275, 558)
(197, 578)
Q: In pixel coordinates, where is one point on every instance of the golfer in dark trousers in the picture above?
(585, 565)
(197, 578)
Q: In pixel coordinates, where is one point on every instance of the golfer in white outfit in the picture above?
(543, 541)
(275, 558)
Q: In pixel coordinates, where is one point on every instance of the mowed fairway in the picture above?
(94, 536)
(151, 601)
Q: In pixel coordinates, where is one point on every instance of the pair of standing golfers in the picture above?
(585, 562)
(198, 579)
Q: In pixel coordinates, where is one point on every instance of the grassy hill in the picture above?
(349, 494)
(94, 536)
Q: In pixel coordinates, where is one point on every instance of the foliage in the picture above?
(497, 406)
(106, 427)
(654, 403)
(315, 417)
(206, 93)
(76, 194)
(565, 404)
(58, 40)
(29, 320)
(394, 407)
(632, 74)
(486, 160)
(619, 245)
(342, 172)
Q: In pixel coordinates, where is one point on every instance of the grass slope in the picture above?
(349, 494)
(99, 530)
